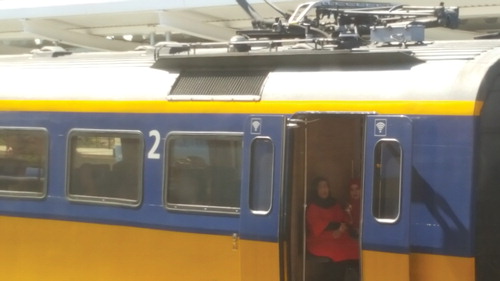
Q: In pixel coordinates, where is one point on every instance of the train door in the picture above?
(319, 144)
(260, 198)
(387, 194)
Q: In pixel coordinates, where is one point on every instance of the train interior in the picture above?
(322, 145)
(105, 167)
(22, 162)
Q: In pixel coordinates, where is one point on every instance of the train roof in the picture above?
(431, 71)
(54, 74)
(441, 70)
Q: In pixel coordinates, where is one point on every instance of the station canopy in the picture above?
(123, 25)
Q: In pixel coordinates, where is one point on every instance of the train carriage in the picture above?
(129, 166)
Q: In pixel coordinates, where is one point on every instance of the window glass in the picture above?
(261, 175)
(105, 167)
(23, 162)
(204, 172)
(387, 181)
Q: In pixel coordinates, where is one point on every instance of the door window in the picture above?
(261, 175)
(387, 181)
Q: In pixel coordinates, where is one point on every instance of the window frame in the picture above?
(251, 176)
(386, 220)
(28, 194)
(103, 200)
(198, 208)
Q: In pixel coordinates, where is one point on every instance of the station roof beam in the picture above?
(188, 24)
(47, 30)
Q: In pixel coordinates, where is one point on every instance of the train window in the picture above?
(387, 181)
(261, 175)
(203, 172)
(23, 162)
(105, 166)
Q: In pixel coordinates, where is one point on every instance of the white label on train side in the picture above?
(255, 126)
(380, 127)
(153, 152)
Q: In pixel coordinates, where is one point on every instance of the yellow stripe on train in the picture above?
(44, 249)
(260, 107)
(382, 266)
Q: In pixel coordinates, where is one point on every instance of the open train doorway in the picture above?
(325, 146)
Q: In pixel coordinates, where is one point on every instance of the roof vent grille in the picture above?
(219, 85)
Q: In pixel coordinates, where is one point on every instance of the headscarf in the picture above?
(314, 197)
(356, 182)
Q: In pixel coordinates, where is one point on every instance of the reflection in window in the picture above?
(204, 170)
(387, 181)
(106, 167)
(261, 175)
(23, 162)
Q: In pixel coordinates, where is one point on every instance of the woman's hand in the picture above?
(337, 233)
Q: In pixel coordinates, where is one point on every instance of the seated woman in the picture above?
(354, 206)
(327, 230)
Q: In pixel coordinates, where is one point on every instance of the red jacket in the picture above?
(355, 213)
(321, 242)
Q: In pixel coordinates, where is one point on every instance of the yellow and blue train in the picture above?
(123, 166)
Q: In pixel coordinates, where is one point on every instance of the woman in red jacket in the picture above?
(327, 230)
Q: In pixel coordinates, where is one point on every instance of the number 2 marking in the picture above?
(153, 154)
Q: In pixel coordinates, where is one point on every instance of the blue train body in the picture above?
(250, 131)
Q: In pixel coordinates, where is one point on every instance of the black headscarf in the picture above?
(314, 197)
